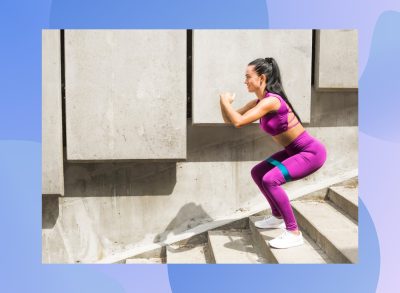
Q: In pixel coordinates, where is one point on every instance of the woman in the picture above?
(302, 154)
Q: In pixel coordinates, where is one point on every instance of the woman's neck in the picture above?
(261, 94)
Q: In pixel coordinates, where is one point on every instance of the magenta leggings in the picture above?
(300, 158)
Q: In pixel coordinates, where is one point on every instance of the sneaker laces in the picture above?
(270, 217)
(283, 235)
(266, 218)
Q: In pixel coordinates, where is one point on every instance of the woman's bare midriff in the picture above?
(285, 138)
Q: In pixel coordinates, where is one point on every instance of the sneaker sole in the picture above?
(283, 247)
(281, 226)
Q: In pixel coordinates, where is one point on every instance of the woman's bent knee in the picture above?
(271, 179)
(255, 174)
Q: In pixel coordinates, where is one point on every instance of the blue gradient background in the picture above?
(378, 24)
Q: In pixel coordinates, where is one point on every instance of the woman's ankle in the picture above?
(296, 232)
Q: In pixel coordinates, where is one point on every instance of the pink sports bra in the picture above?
(276, 122)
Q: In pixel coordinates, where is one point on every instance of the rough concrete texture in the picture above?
(187, 254)
(113, 206)
(144, 261)
(345, 198)
(52, 145)
(336, 63)
(334, 108)
(220, 59)
(233, 247)
(333, 231)
(125, 94)
(351, 194)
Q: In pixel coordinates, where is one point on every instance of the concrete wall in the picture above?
(52, 145)
(220, 58)
(125, 94)
(334, 108)
(336, 65)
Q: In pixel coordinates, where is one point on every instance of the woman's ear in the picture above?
(263, 78)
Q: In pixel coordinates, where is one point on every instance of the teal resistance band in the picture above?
(281, 167)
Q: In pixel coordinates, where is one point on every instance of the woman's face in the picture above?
(253, 81)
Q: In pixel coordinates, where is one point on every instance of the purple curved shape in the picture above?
(379, 175)
(379, 85)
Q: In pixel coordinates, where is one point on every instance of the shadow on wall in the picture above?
(119, 179)
(225, 143)
(189, 216)
(204, 144)
(330, 109)
(50, 210)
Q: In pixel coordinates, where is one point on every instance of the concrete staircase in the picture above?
(327, 218)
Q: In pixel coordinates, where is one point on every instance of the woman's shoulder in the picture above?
(271, 102)
(278, 100)
(270, 94)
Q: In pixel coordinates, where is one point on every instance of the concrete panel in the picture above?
(220, 59)
(333, 108)
(52, 145)
(336, 64)
(125, 94)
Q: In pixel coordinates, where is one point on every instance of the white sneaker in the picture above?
(287, 239)
(270, 222)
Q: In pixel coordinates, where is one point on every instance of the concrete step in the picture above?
(308, 253)
(187, 254)
(346, 198)
(334, 232)
(233, 246)
(144, 261)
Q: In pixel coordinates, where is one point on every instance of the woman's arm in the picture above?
(241, 111)
(261, 109)
(224, 116)
(247, 107)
